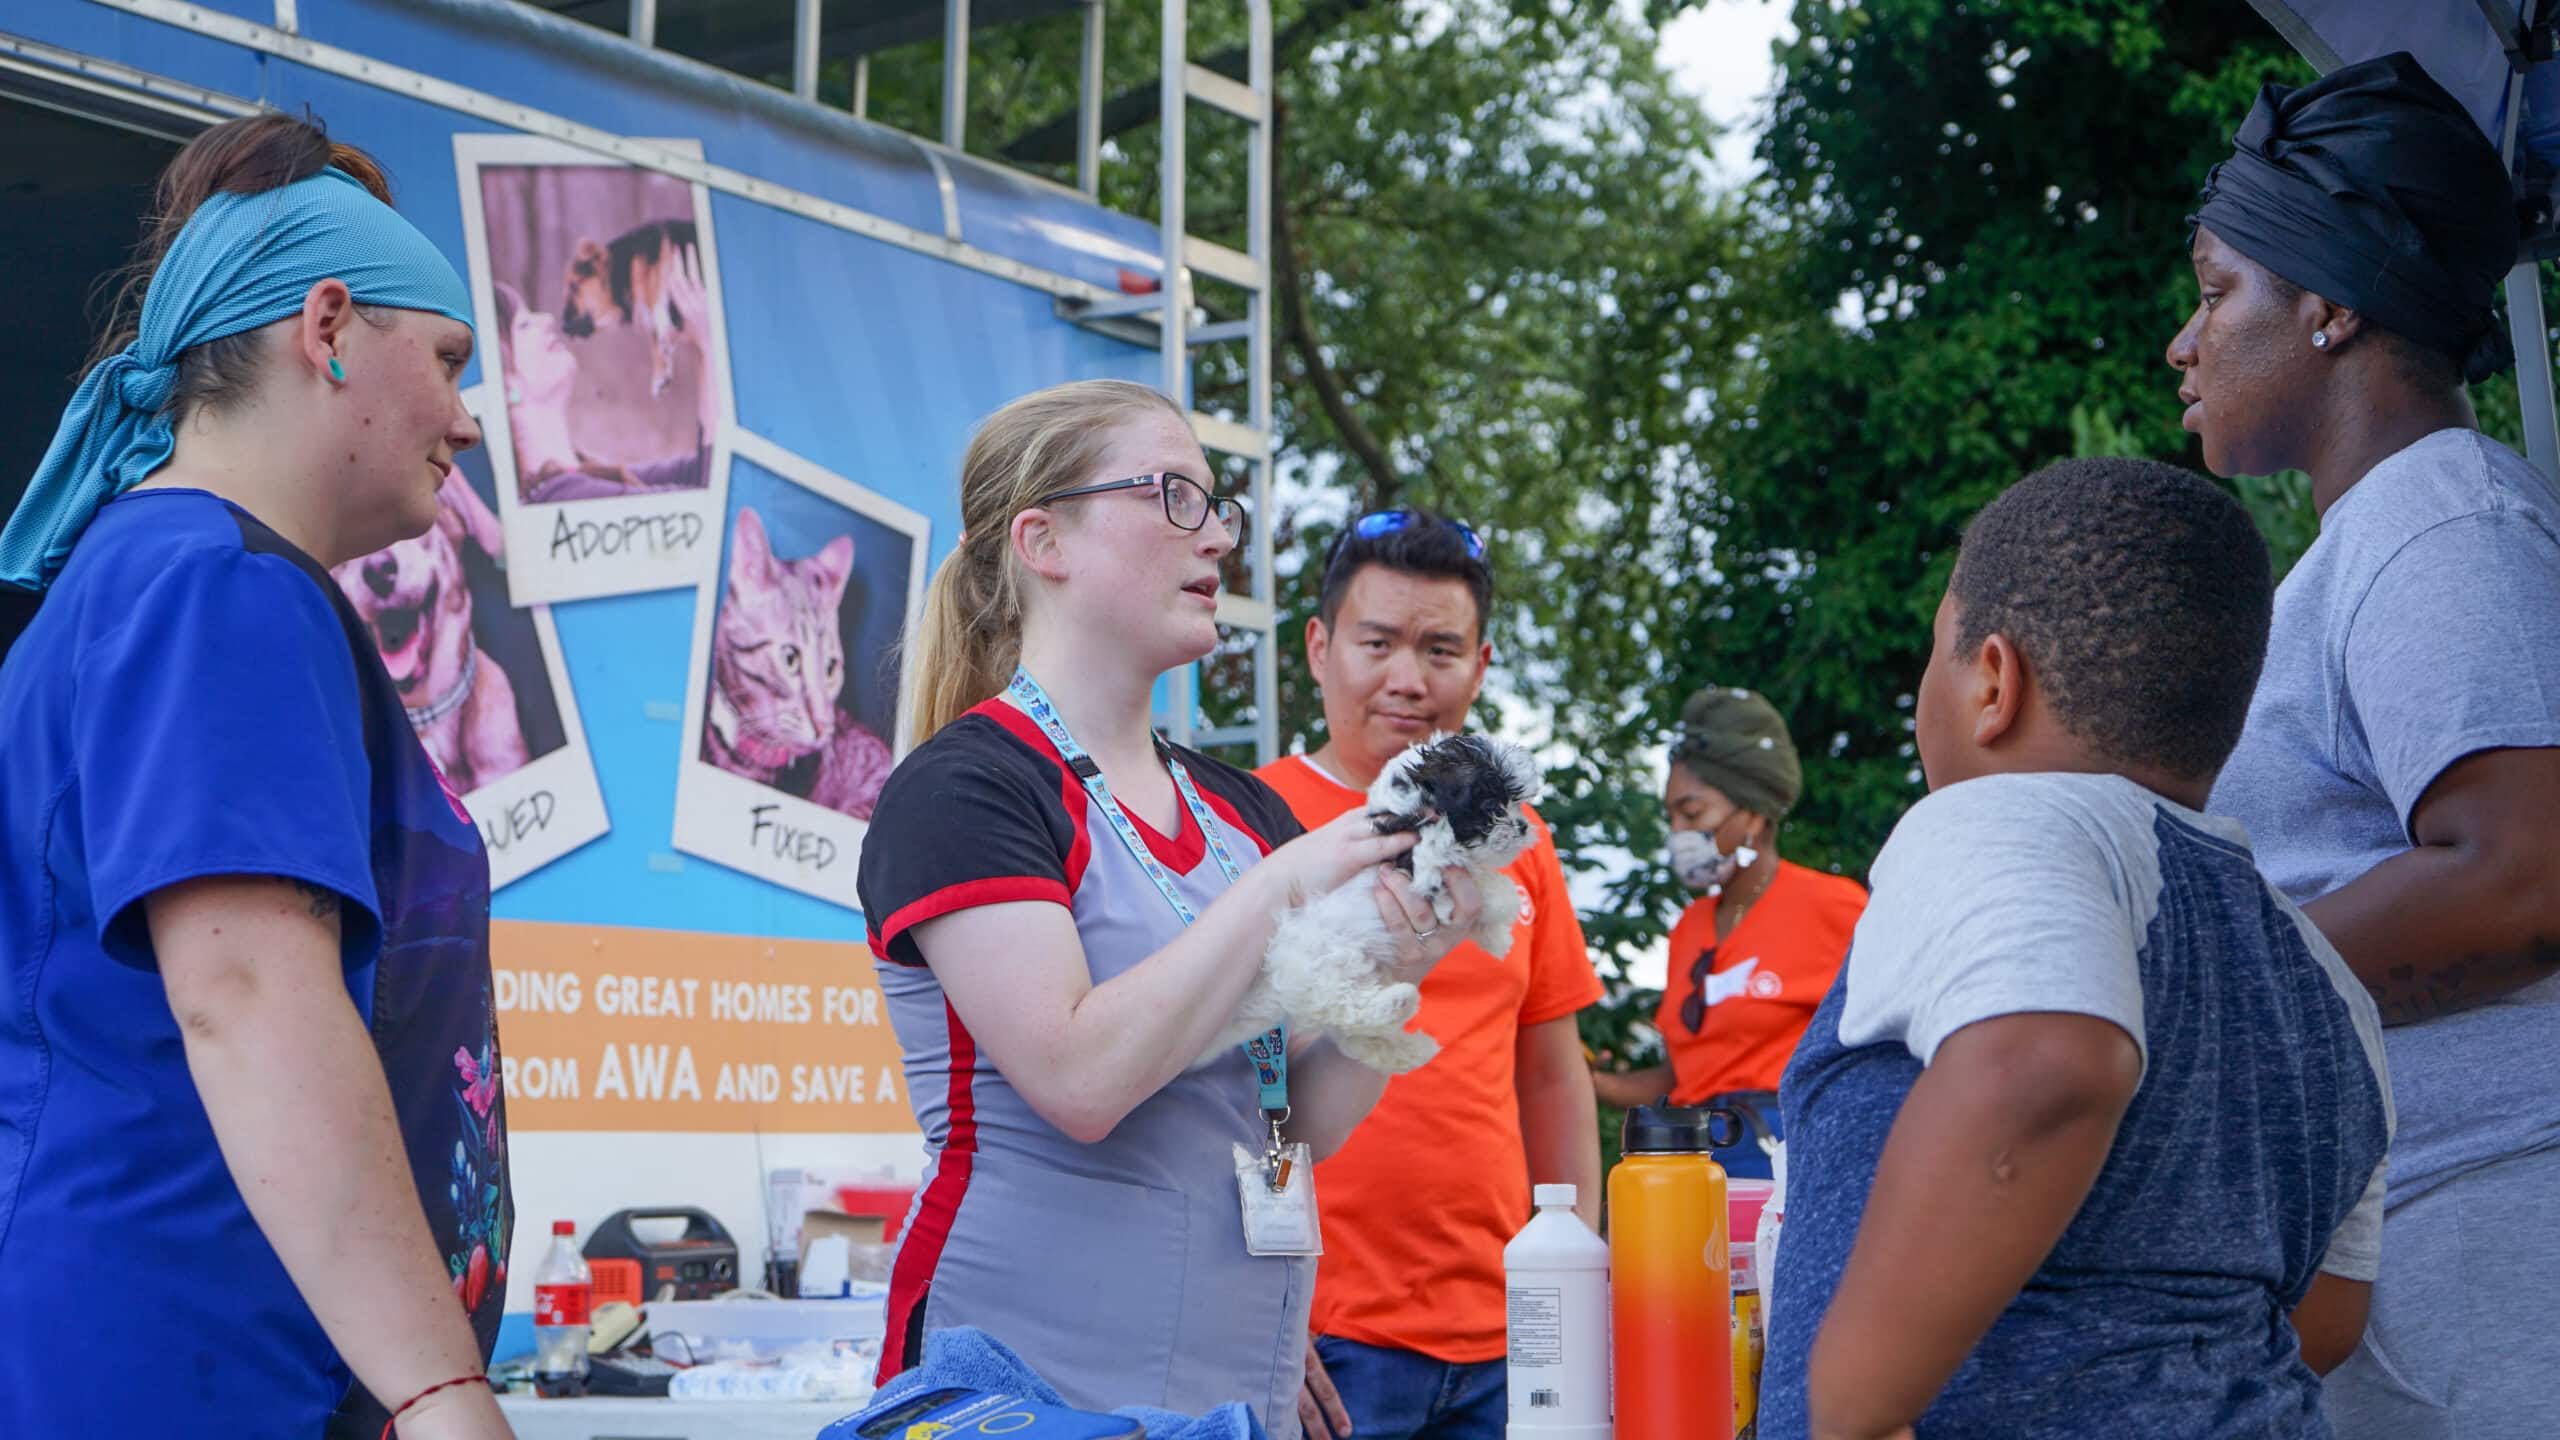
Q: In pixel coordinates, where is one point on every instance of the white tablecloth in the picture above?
(535, 1418)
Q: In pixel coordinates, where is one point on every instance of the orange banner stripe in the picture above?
(603, 1028)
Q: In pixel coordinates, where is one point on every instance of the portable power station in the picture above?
(700, 1263)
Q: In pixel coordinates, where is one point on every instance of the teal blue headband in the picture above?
(240, 262)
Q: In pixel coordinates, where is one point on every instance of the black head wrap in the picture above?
(2373, 188)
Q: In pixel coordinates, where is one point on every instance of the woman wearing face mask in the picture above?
(1754, 954)
(248, 1064)
(1067, 909)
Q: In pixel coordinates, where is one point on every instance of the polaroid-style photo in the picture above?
(482, 680)
(792, 713)
(597, 287)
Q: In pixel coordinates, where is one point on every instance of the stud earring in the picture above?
(337, 372)
(2319, 339)
(515, 395)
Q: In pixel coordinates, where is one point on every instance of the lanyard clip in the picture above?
(1275, 1160)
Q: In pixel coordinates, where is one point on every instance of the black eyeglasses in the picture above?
(1693, 1010)
(1187, 502)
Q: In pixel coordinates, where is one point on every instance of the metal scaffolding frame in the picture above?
(1170, 306)
(1163, 317)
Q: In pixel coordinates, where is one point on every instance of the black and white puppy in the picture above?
(1330, 966)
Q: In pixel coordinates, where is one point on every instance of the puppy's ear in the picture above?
(1521, 768)
(1390, 822)
(587, 259)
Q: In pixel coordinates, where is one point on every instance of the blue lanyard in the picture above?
(1268, 1051)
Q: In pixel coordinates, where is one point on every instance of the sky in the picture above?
(1719, 51)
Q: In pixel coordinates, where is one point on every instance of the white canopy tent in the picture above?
(2495, 56)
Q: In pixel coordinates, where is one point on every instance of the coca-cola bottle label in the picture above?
(560, 1304)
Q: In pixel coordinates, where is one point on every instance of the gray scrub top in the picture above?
(1116, 1270)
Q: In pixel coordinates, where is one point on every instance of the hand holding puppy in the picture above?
(1331, 855)
(1347, 950)
(1422, 937)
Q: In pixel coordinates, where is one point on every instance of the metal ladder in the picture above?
(1171, 304)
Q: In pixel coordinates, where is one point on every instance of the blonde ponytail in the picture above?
(1044, 442)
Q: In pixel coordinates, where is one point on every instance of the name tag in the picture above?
(1278, 1195)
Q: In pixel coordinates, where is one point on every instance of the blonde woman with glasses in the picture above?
(1067, 908)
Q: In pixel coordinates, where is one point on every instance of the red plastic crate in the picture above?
(886, 1203)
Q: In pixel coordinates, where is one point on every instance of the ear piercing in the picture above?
(2319, 339)
(337, 372)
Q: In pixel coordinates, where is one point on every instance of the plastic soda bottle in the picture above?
(563, 1292)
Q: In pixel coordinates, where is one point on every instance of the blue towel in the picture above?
(976, 1360)
(240, 261)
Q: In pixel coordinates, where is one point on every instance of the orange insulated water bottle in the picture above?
(1670, 1285)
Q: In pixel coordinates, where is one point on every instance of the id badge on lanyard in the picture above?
(1276, 1188)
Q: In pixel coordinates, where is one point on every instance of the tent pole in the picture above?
(2526, 327)
(2531, 334)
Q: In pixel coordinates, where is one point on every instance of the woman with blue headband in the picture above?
(249, 1096)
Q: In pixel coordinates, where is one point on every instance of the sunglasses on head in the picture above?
(1387, 522)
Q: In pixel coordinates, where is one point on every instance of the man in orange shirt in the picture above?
(1753, 955)
(1417, 1205)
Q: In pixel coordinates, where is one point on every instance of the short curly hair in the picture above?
(2140, 595)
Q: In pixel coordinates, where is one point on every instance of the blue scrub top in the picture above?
(195, 698)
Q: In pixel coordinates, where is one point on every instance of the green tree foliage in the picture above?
(1507, 288)
(1989, 203)
(1712, 437)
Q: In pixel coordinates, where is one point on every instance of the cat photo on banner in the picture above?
(482, 680)
(599, 305)
(793, 703)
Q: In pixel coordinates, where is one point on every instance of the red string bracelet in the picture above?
(423, 1394)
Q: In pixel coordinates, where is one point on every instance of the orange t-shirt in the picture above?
(1766, 981)
(1418, 1204)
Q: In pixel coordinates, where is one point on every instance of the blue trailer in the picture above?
(686, 1001)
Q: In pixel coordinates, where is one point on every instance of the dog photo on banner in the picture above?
(598, 293)
(482, 680)
(792, 710)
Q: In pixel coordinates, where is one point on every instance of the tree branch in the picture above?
(1298, 319)
(1053, 141)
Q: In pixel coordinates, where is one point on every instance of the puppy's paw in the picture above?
(1382, 1008)
(1402, 1002)
(1500, 917)
(1390, 1053)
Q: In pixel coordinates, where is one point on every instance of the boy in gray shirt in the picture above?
(2088, 1137)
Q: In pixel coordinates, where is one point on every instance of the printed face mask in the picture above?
(1704, 867)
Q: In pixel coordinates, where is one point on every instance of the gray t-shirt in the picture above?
(2422, 626)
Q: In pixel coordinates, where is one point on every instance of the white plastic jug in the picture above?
(1556, 1314)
